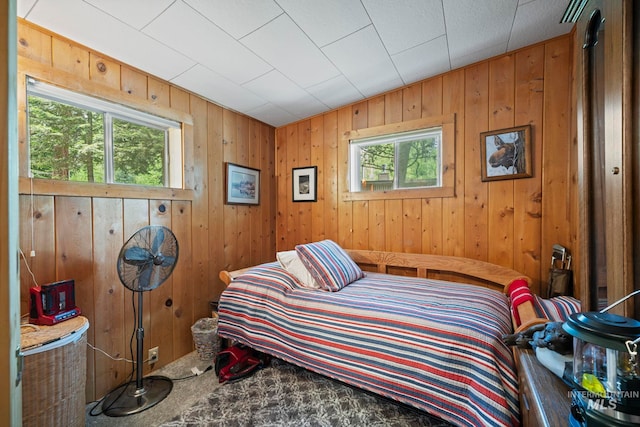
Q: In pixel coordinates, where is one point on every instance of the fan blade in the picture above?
(168, 261)
(157, 241)
(136, 255)
(144, 278)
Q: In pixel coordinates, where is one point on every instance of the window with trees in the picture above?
(402, 160)
(74, 137)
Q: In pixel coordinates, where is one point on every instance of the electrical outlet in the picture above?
(153, 355)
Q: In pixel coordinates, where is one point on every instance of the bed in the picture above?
(424, 330)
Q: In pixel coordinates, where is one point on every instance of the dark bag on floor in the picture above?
(238, 361)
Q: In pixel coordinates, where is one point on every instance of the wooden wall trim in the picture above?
(47, 187)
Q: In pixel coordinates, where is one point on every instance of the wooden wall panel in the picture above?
(109, 293)
(393, 207)
(281, 186)
(34, 44)
(104, 71)
(529, 91)
(316, 158)
(559, 217)
(360, 209)
(37, 231)
(292, 161)
(431, 209)
(508, 222)
(209, 253)
(74, 260)
(303, 218)
(133, 83)
(453, 208)
(243, 225)
(159, 93)
(501, 106)
(198, 250)
(345, 208)
(160, 307)
(78, 235)
(255, 223)
(330, 178)
(67, 56)
(185, 295)
(475, 191)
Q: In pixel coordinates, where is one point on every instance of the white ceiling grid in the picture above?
(283, 60)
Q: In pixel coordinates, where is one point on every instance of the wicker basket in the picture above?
(205, 337)
(53, 385)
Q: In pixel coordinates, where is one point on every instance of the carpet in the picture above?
(285, 395)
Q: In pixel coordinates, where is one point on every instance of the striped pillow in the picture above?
(556, 309)
(329, 264)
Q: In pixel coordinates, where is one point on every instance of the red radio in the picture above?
(53, 303)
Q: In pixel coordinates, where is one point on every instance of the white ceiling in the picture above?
(283, 60)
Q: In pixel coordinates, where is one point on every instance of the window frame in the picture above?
(397, 139)
(447, 189)
(111, 110)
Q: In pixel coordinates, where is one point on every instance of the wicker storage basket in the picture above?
(54, 375)
(205, 337)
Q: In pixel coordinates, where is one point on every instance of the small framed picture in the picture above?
(242, 185)
(506, 153)
(304, 184)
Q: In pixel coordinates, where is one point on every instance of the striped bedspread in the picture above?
(433, 345)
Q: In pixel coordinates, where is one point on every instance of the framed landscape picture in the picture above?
(304, 184)
(242, 185)
(506, 153)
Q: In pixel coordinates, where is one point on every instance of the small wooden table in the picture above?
(545, 400)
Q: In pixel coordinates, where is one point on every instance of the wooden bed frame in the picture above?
(450, 268)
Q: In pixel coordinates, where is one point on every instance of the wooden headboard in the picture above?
(450, 268)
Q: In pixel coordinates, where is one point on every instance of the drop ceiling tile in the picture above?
(283, 45)
(335, 92)
(364, 62)
(477, 55)
(272, 115)
(23, 7)
(328, 20)
(237, 17)
(93, 28)
(217, 89)
(474, 27)
(427, 59)
(537, 21)
(135, 13)
(280, 91)
(403, 25)
(183, 29)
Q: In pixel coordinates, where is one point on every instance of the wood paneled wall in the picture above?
(77, 230)
(513, 223)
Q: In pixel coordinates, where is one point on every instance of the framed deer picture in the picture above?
(506, 153)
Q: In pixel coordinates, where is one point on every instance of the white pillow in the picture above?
(290, 261)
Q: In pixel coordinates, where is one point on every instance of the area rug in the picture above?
(283, 395)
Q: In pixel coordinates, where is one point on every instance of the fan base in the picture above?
(128, 399)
